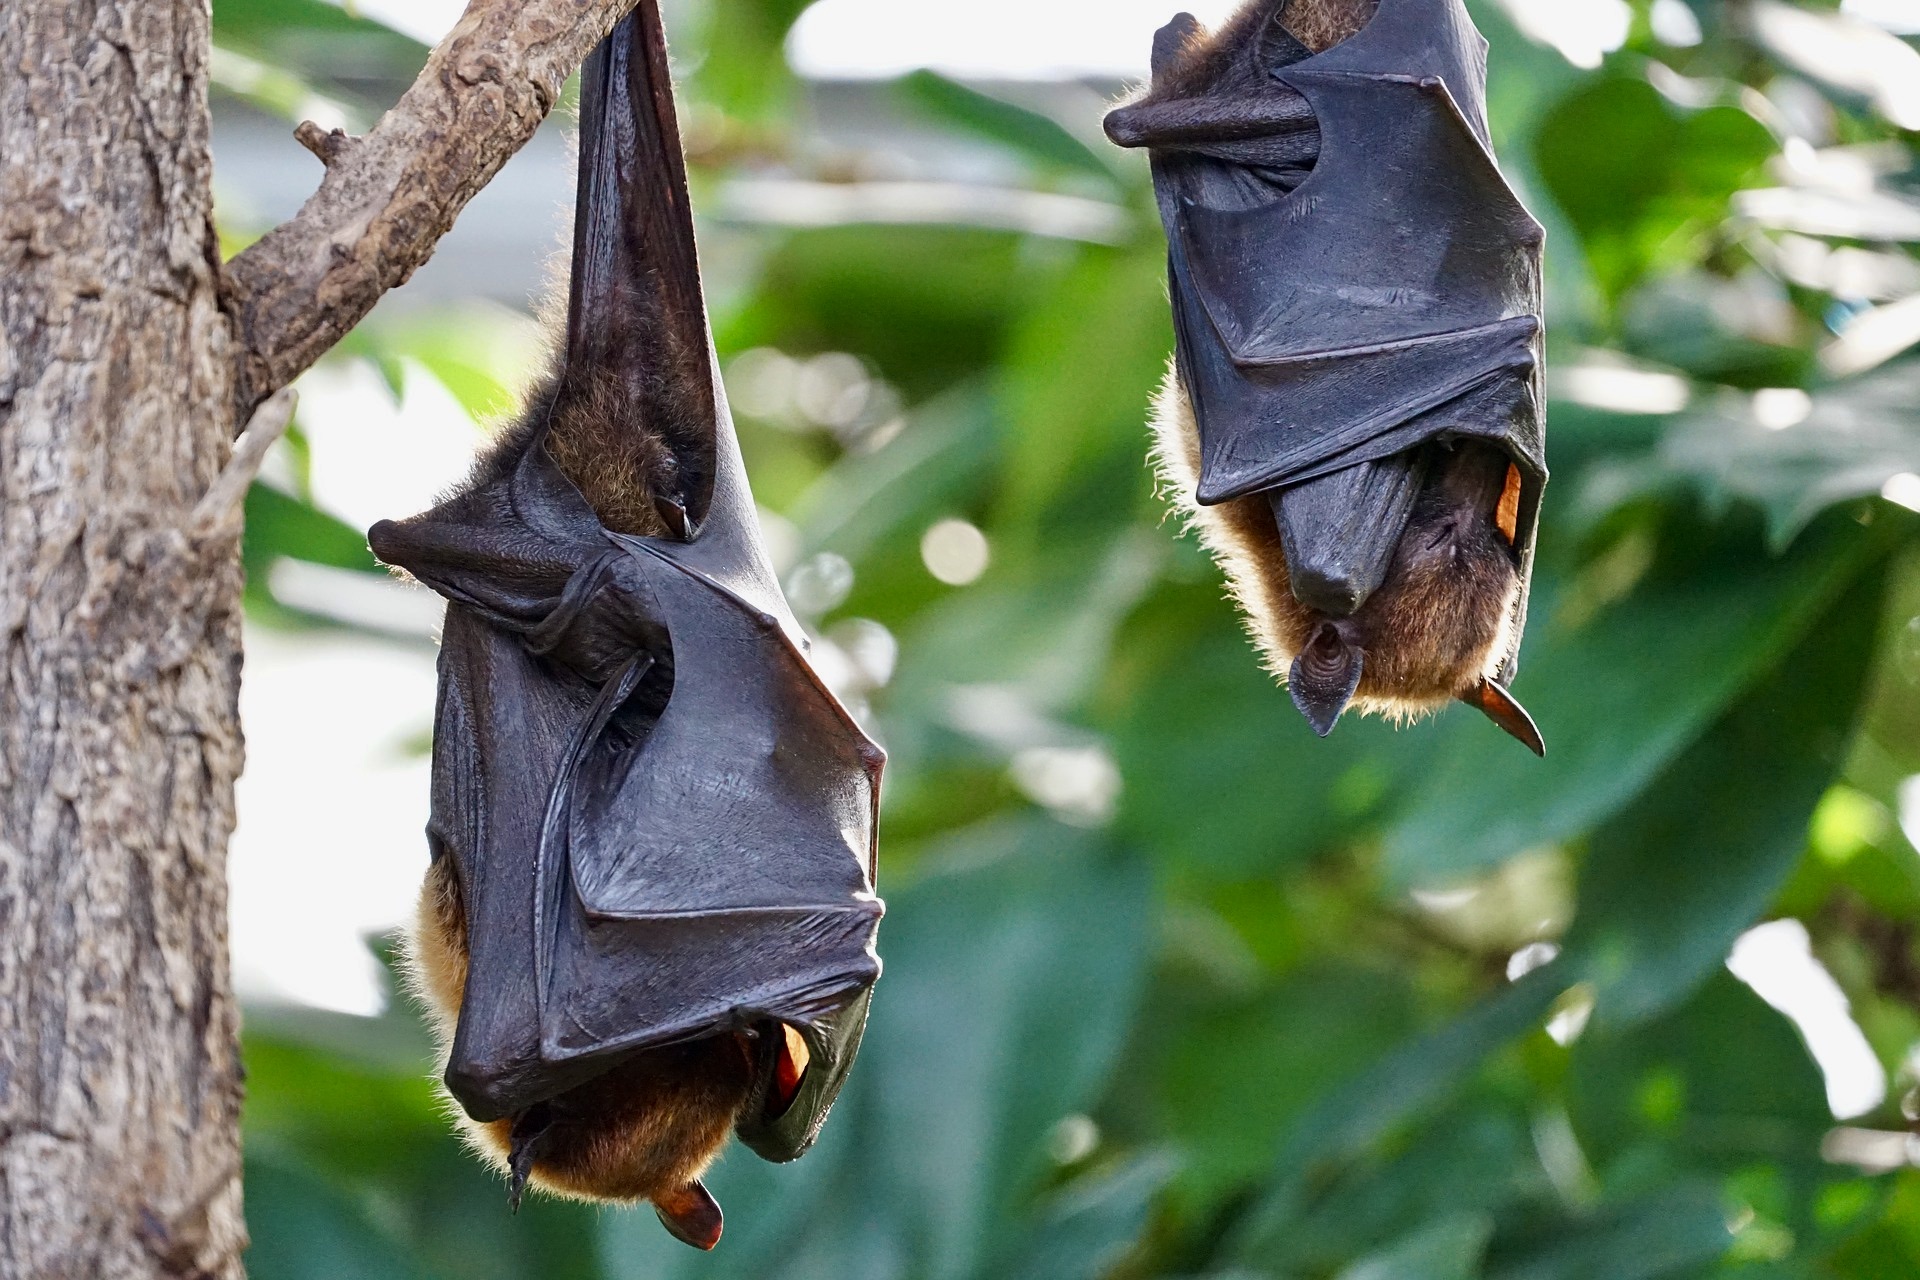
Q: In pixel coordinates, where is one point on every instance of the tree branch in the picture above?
(390, 195)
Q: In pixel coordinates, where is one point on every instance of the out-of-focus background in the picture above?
(1174, 988)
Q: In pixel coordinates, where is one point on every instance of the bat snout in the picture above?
(1125, 128)
(480, 1093)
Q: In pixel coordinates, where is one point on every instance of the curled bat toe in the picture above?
(1324, 677)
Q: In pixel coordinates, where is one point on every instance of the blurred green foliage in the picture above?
(1174, 988)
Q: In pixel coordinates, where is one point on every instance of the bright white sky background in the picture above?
(330, 782)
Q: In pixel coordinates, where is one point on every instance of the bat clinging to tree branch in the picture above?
(1355, 413)
(649, 922)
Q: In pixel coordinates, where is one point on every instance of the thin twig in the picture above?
(218, 510)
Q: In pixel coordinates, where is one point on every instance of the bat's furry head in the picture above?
(616, 446)
(646, 1129)
(1191, 61)
(1437, 629)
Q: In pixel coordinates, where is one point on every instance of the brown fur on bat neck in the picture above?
(1436, 630)
(1218, 59)
(646, 1129)
(618, 436)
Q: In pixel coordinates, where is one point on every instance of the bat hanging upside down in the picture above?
(1353, 417)
(649, 920)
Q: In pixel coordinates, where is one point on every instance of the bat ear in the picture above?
(1325, 676)
(691, 1215)
(1505, 710)
(1170, 40)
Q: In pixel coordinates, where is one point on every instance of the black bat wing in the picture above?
(661, 820)
(634, 302)
(715, 871)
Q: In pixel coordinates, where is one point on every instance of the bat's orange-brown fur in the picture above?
(1432, 632)
(611, 459)
(644, 1130)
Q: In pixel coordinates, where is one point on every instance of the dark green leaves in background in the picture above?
(1174, 989)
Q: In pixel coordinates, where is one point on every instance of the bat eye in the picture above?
(788, 1071)
(1506, 516)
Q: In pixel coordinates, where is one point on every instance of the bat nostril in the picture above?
(1123, 127)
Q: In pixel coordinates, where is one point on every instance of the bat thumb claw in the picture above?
(691, 1215)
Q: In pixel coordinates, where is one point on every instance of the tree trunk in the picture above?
(119, 654)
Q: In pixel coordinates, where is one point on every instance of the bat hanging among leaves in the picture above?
(649, 920)
(1354, 417)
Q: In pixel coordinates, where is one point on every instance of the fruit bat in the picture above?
(1353, 417)
(649, 920)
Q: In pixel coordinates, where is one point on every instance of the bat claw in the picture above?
(529, 1127)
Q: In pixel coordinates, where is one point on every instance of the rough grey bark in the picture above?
(120, 372)
(119, 654)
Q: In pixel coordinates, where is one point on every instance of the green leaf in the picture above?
(1619, 695)
(366, 1120)
(1371, 1104)
(279, 524)
(1089, 1229)
(1679, 874)
(1235, 1075)
(1037, 137)
(1854, 438)
(1670, 1082)
(304, 1228)
(1665, 1237)
(1080, 372)
(1470, 1162)
(1637, 175)
(1447, 1250)
(314, 39)
(743, 70)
